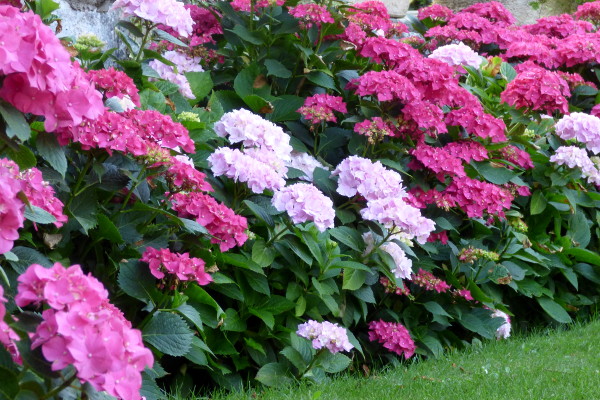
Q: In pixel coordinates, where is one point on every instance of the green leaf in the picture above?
(265, 316)
(193, 227)
(191, 314)
(16, 125)
(322, 79)
(260, 212)
(136, 280)
(84, 209)
(585, 90)
(348, 236)
(250, 81)
(28, 256)
(353, 279)
(285, 108)
(168, 333)
(498, 176)
(538, 202)
(44, 8)
(131, 28)
(246, 35)
(197, 355)
(273, 374)
(350, 265)
(201, 83)
(258, 104)
(555, 310)
(9, 383)
(294, 357)
(436, 309)
(583, 255)
(107, 230)
(508, 72)
(434, 345)
(23, 156)
(38, 215)
(334, 363)
(261, 254)
(277, 69)
(169, 38)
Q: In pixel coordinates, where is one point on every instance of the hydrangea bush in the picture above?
(276, 190)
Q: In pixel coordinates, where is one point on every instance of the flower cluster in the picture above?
(311, 14)
(227, 228)
(374, 129)
(493, 11)
(536, 88)
(372, 16)
(245, 5)
(515, 155)
(81, 328)
(435, 12)
(403, 269)
(471, 254)
(438, 160)
(39, 193)
(182, 266)
(304, 202)
(205, 26)
(575, 157)
(305, 163)
(182, 174)
(387, 51)
(589, 12)
(171, 13)
(175, 74)
(8, 337)
(386, 86)
(394, 337)
(11, 207)
(38, 75)
(320, 107)
(325, 335)
(504, 331)
(476, 197)
(457, 55)
(427, 280)
(584, 128)
(115, 83)
(390, 287)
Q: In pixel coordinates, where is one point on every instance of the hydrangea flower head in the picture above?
(8, 337)
(182, 266)
(457, 55)
(369, 179)
(115, 83)
(311, 14)
(305, 163)
(575, 157)
(584, 128)
(403, 264)
(184, 64)
(11, 207)
(394, 337)
(320, 107)
(493, 11)
(504, 331)
(436, 12)
(325, 335)
(428, 281)
(589, 12)
(171, 13)
(304, 202)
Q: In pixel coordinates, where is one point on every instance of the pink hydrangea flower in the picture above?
(559, 26)
(370, 16)
(387, 51)
(304, 202)
(438, 160)
(369, 179)
(227, 228)
(584, 128)
(320, 107)
(477, 122)
(8, 337)
(206, 25)
(435, 12)
(305, 163)
(504, 331)
(245, 5)
(394, 212)
(589, 12)
(184, 64)
(171, 13)
(374, 129)
(248, 168)
(493, 11)
(183, 175)
(311, 14)
(181, 265)
(428, 281)
(325, 335)
(386, 86)
(403, 269)
(81, 328)
(575, 157)
(475, 197)
(515, 155)
(457, 55)
(11, 207)
(115, 83)
(394, 337)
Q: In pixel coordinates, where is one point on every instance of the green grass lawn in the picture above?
(561, 364)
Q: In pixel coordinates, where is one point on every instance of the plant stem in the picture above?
(60, 388)
(149, 27)
(312, 362)
(133, 187)
(82, 175)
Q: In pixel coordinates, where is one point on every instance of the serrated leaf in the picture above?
(201, 83)
(26, 257)
(277, 69)
(168, 333)
(261, 254)
(84, 208)
(348, 236)
(436, 309)
(538, 203)
(285, 108)
(322, 79)
(260, 212)
(555, 310)
(265, 316)
(294, 357)
(334, 363)
(273, 374)
(197, 355)
(23, 156)
(52, 152)
(508, 72)
(136, 280)
(353, 279)
(38, 215)
(16, 125)
(191, 314)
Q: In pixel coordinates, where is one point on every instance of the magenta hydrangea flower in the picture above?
(493, 11)
(311, 14)
(435, 12)
(320, 107)
(387, 51)
(386, 86)
(11, 208)
(394, 337)
(516, 156)
(575, 157)
(325, 335)
(457, 55)
(8, 337)
(438, 160)
(227, 228)
(558, 26)
(374, 129)
(589, 12)
(428, 281)
(584, 128)
(184, 64)
(184, 176)
(304, 202)
(369, 179)
(81, 328)
(475, 197)
(181, 265)
(115, 83)
(171, 13)
(245, 5)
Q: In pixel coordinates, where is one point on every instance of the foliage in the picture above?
(362, 182)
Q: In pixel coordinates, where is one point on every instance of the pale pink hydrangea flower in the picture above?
(248, 168)
(403, 269)
(395, 212)
(325, 335)
(584, 128)
(305, 163)
(394, 337)
(254, 131)
(504, 331)
(304, 202)
(171, 13)
(457, 55)
(184, 64)
(369, 179)
(575, 157)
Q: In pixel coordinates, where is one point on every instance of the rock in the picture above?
(521, 9)
(89, 16)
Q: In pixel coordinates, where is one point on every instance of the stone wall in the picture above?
(89, 16)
